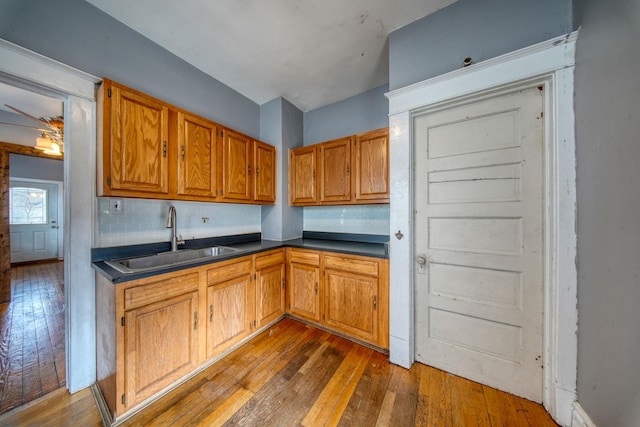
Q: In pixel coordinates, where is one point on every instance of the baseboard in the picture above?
(103, 408)
(580, 418)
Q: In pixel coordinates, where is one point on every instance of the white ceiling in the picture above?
(312, 53)
(29, 102)
(25, 133)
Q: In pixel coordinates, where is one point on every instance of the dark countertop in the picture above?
(247, 244)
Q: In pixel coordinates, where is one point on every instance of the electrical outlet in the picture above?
(115, 206)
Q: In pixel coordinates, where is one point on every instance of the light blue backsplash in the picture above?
(364, 219)
(144, 221)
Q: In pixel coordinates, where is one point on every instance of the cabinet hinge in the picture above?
(122, 321)
(109, 92)
(249, 169)
(211, 313)
(195, 320)
(254, 276)
(123, 399)
(375, 302)
(254, 323)
(283, 283)
(164, 148)
(313, 174)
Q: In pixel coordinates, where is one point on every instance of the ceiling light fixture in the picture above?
(47, 145)
(51, 139)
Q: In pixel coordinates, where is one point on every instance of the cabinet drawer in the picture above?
(270, 258)
(158, 291)
(351, 264)
(229, 271)
(304, 256)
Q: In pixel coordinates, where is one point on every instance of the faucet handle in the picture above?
(180, 240)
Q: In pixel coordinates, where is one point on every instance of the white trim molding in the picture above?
(580, 418)
(29, 70)
(549, 64)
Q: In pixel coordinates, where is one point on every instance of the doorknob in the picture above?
(422, 264)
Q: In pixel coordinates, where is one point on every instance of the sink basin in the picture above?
(167, 259)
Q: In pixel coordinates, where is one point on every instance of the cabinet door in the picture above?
(335, 171)
(236, 166)
(372, 166)
(302, 176)
(351, 303)
(136, 151)
(304, 291)
(271, 289)
(230, 305)
(264, 160)
(161, 345)
(196, 156)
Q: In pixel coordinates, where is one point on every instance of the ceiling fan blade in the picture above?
(25, 126)
(29, 116)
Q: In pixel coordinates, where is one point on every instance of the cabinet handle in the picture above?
(316, 288)
(195, 320)
(347, 169)
(375, 302)
(182, 153)
(257, 171)
(211, 313)
(164, 148)
(249, 169)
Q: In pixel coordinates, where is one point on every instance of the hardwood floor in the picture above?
(294, 374)
(32, 359)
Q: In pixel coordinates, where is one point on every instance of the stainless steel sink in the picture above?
(167, 259)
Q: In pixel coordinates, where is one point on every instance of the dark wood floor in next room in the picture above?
(32, 355)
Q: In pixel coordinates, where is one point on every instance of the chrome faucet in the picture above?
(171, 223)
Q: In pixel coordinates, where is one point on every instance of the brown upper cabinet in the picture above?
(197, 156)
(236, 166)
(350, 170)
(371, 167)
(302, 176)
(335, 171)
(151, 149)
(264, 183)
(135, 133)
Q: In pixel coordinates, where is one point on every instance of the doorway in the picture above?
(32, 318)
(35, 208)
(479, 240)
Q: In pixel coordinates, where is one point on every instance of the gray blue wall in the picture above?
(35, 168)
(438, 43)
(607, 90)
(281, 126)
(360, 113)
(78, 34)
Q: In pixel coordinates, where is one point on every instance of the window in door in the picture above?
(27, 205)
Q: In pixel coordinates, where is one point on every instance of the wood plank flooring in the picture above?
(292, 375)
(32, 358)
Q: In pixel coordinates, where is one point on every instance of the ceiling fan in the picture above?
(51, 139)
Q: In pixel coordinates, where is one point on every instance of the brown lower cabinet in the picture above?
(346, 293)
(153, 332)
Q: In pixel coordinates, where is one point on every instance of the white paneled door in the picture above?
(479, 240)
(33, 218)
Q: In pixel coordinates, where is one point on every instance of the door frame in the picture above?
(551, 64)
(60, 213)
(29, 70)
